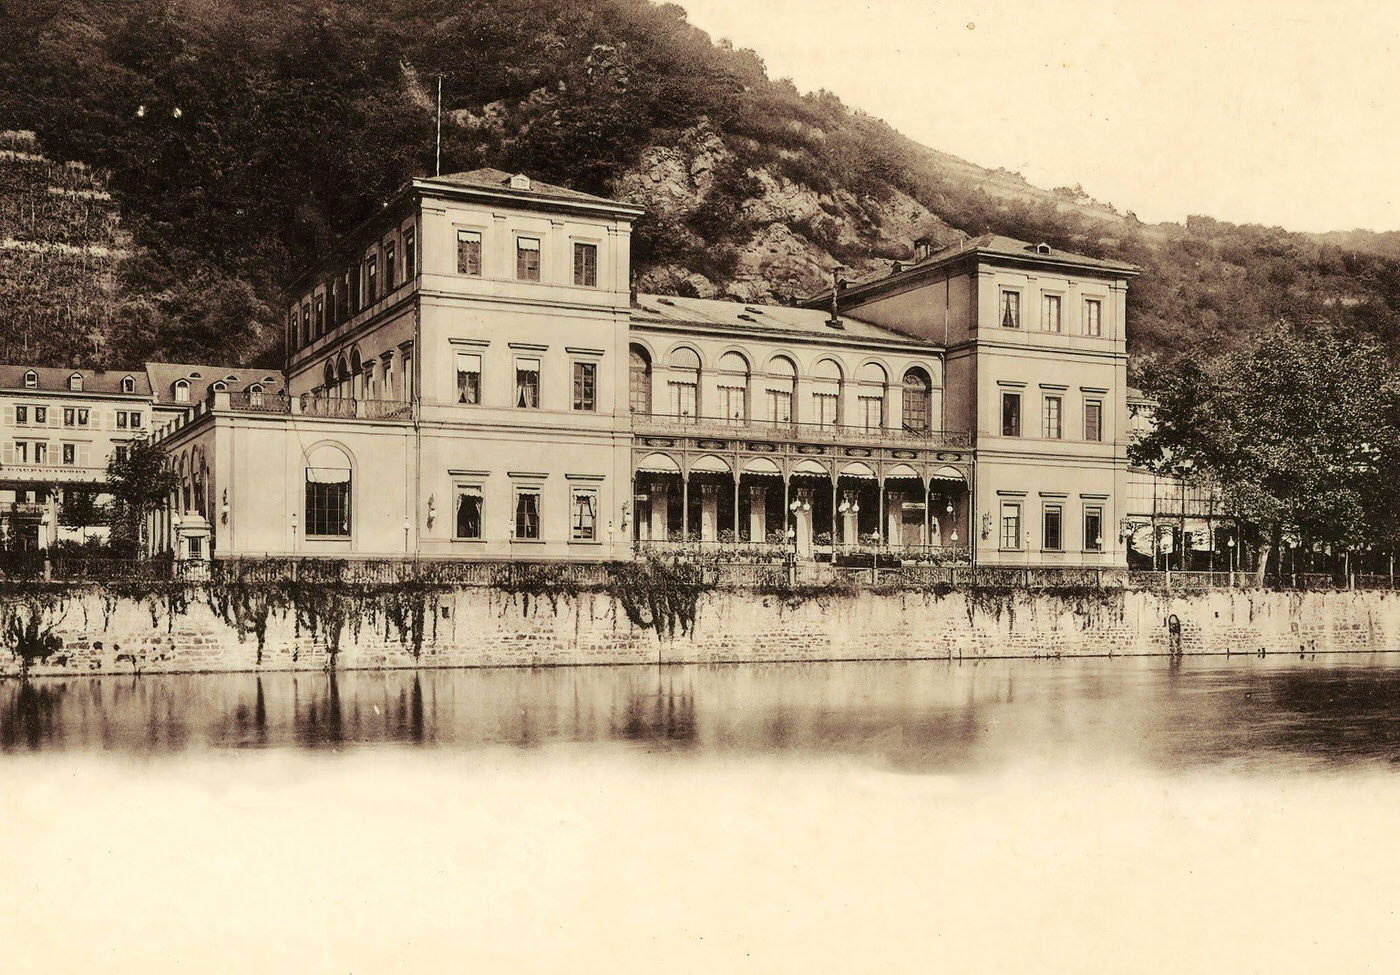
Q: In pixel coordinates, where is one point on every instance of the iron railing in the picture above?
(720, 427)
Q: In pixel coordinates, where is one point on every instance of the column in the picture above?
(736, 506)
(658, 505)
(685, 507)
(758, 513)
(709, 512)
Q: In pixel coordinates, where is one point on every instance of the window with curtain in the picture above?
(527, 383)
(685, 383)
(468, 378)
(327, 501)
(586, 386)
(469, 252)
(639, 378)
(1050, 313)
(469, 503)
(584, 526)
(586, 265)
(527, 514)
(1010, 309)
(527, 258)
(916, 406)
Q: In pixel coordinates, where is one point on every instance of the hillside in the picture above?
(240, 136)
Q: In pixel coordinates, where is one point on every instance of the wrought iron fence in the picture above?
(706, 426)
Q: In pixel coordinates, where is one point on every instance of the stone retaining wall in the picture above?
(95, 632)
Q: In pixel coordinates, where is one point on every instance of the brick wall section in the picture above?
(103, 634)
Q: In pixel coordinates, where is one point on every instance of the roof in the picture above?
(164, 375)
(760, 318)
(55, 378)
(499, 181)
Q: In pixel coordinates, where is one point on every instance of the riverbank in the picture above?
(175, 628)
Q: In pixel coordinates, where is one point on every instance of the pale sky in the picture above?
(1279, 112)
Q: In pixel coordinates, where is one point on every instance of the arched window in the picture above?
(255, 395)
(328, 380)
(31, 380)
(781, 385)
(128, 384)
(342, 379)
(732, 378)
(75, 382)
(916, 400)
(870, 412)
(357, 375)
(639, 390)
(219, 386)
(328, 511)
(685, 383)
(181, 390)
(826, 393)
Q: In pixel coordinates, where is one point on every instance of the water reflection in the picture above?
(912, 715)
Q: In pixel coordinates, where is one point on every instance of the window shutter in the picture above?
(9, 452)
(578, 264)
(85, 455)
(55, 416)
(9, 416)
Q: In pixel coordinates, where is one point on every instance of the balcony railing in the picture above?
(356, 409)
(259, 402)
(704, 426)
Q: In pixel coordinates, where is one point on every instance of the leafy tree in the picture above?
(1299, 432)
(140, 483)
(80, 509)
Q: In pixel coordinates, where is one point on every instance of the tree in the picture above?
(80, 509)
(141, 482)
(1300, 432)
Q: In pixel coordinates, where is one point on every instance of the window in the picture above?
(84, 416)
(70, 416)
(122, 451)
(468, 378)
(527, 383)
(527, 258)
(731, 404)
(917, 407)
(70, 455)
(1093, 419)
(824, 407)
(320, 315)
(1093, 528)
(1050, 313)
(527, 514)
(1011, 309)
(128, 384)
(586, 265)
(469, 502)
(41, 453)
(585, 386)
(22, 415)
(353, 277)
(469, 253)
(345, 292)
(41, 414)
(31, 380)
(21, 452)
(182, 391)
(1011, 524)
(219, 387)
(388, 377)
(371, 278)
(75, 383)
(639, 381)
(779, 406)
(1052, 427)
(410, 256)
(584, 515)
(135, 420)
(1093, 317)
(685, 383)
(826, 393)
(389, 259)
(255, 396)
(1051, 539)
(1010, 414)
(306, 319)
(872, 412)
(327, 501)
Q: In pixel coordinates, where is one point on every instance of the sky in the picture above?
(1282, 112)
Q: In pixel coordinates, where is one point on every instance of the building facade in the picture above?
(470, 376)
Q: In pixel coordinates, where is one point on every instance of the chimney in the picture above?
(838, 285)
(923, 247)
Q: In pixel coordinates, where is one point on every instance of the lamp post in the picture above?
(1231, 543)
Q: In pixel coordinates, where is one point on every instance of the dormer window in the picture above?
(31, 380)
(75, 383)
(182, 391)
(219, 386)
(128, 384)
(255, 395)
(520, 182)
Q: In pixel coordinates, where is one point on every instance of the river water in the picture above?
(1138, 814)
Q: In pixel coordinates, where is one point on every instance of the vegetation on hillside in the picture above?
(242, 136)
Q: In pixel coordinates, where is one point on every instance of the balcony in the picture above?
(51, 473)
(657, 424)
(330, 408)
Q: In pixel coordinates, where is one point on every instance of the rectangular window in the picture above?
(1011, 524)
(122, 451)
(779, 406)
(327, 502)
(1052, 425)
(121, 419)
(685, 399)
(371, 279)
(469, 503)
(872, 412)
(1011, 309)
(70, 455)
(824, 409)
(306, 319)
(1093, 419)
(84, 416)
(21, 452)
(731, 404)
(468, 378)
(1093, 317)
(469, 253)
(294, 335)
(389, 379)
(527, 514)
(1050, 313)
(527, 258)
(527, 383)
(70, 415)
(41, 414)
(389, 259)
(354, 290)
(584, 517)
(41, 453)
(586, 386)
(320, 315)
(586, 265)
(22, 415)
(345, 291)
(1093, 528)
(1051, 539)
(1010, 414)
(135, 420)
(410, 256)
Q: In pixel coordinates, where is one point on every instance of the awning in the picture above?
(327, 475)
(709, 464)
(762, 466)
(811, 467)
(658, 464)
(903, 470)
(857, 469)
(949, 474)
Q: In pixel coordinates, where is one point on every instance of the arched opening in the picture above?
(732, 380)
(781, 385)
(328, 380)
(342, 372)
(128, 384)
(328, 492)
(181, 391)
(639, 390)
(870, 412)
(917, 408)
(685, 383)
(357, 374)
(826, 393)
